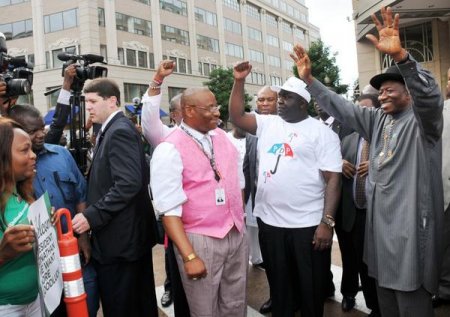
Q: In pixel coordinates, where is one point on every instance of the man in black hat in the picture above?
(404, 191)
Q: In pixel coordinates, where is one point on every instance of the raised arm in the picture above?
(239, 117)
(62, 109)
(152, 127)
(358, 118)
(427, 99)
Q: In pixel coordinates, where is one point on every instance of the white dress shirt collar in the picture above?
(104, 124)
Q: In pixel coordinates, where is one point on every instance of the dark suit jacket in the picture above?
(120, 212)
(250, 171)
(347, 212)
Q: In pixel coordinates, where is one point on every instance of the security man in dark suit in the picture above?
(119, 214)
(351, 218)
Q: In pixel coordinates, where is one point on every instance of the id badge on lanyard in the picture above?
(220, 196)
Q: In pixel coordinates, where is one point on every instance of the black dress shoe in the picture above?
(374, 314)
(266, 307)
(166, 299)
(439, 301)
(348, 303)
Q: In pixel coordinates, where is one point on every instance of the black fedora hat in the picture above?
(392, 73)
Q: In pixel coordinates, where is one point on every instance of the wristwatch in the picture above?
(190, 257)
(329, 221)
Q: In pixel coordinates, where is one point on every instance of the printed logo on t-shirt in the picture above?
(280, 150)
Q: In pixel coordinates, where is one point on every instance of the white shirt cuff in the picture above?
(64, 97)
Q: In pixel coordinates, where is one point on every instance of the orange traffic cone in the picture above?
(74, 294)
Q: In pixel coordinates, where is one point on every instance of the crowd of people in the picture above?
(271, 192)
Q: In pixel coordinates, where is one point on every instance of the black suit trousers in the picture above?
(127, 288)
(353, 267)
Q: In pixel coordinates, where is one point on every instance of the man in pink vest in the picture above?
(196, 185)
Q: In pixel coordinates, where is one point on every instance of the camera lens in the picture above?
(16, 87)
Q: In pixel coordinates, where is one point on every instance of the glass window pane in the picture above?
(131, 57)
(6, 29)
(142, 59)
(56, 62)
(70, 18)
(121, 55)
(182, 65)
(56, 22)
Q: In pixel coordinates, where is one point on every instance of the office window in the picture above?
(174, 6)
(169, 33)
(207, 43)
(173, 91)
(104, 52)
(275, 81)
(272, 40)
(234, 50)
(299, 33)
(17, 30)
(101, 16)
(253, 11)
(256, 56)
(287, 46)
(256, 78)
(142, 59)
(134, 58)
(274, 61)
(151, 58)
(272, 20)
(233, 4)
(205, 16)
(52, 60)
(288, 65)
(254, 34)
(121, 55)
(144, 1)
(286, 26)
(206, 68)
(61, 20)
(134, 90)
(131, 57)
(4, 3)
(182, 65)
(232, 26)
(133, 25)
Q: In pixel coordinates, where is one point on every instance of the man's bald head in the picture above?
(266, 101)
(199, 108)
(191, 96)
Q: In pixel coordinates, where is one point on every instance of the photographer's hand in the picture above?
(69, 74)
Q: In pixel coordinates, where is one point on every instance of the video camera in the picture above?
(15, 72)
(84, 70)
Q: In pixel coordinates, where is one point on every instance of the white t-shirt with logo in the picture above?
(291, 157)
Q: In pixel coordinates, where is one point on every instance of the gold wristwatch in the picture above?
(190, 257)
(329, 221)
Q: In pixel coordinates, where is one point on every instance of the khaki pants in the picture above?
(223, 291)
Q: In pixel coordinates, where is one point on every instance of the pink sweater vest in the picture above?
(201, 215)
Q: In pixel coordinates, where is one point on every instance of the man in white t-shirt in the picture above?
(298, 193)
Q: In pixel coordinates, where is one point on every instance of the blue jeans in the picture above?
(91, 288)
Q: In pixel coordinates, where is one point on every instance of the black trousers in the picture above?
(353, 267)
(127, 288)
(180, 304)
(297, 274)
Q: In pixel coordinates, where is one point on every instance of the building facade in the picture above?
(424, 32)
(135, 35)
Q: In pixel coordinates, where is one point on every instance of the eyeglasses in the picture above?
(209, 109)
